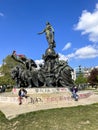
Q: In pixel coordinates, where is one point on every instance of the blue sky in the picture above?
(75, 23)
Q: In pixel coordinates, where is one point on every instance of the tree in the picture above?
(6, 80)
(93, 78)
(5, 69)
(8, 64)
(81, 79)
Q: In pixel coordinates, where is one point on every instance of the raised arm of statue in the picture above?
(18, 57)
(42, 32)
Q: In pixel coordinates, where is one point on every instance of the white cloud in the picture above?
(67, 46)
(88, 24)
(62, 57)
(85, 52)
(38, 62)
(1, 14)
(72, 55)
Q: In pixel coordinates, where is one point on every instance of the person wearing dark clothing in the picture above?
(2, 88)
(22, 93)
(74, 93)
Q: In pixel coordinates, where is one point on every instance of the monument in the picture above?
(47, 85)
(52, 73)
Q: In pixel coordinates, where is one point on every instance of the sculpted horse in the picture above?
(15, 76)
(24, 77)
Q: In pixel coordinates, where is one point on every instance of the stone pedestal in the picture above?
(43, 96)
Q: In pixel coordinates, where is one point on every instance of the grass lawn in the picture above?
(71, 118)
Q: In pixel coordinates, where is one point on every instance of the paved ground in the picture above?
(11, 110)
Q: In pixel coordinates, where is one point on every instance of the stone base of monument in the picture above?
(43, 96)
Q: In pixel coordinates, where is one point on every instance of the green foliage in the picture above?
(6, 80)
(8, 64)
(5, 69)
(81, 79)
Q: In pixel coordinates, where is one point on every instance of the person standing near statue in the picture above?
(49, 31)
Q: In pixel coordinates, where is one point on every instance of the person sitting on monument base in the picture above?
(22, 93)
(74, 91)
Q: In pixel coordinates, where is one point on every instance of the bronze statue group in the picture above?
(53, 73)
